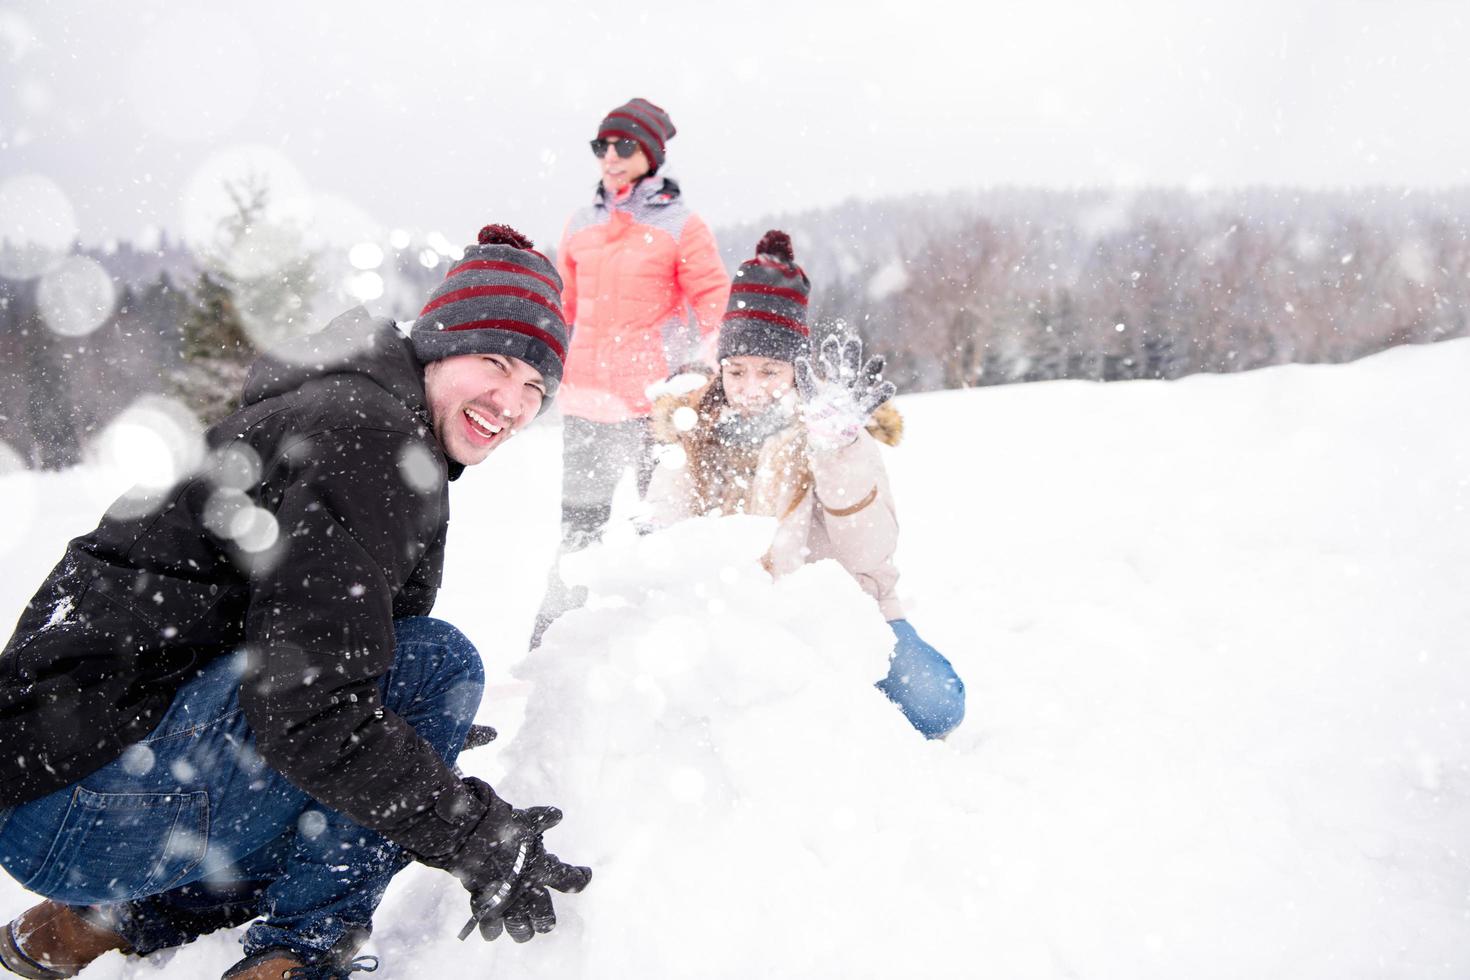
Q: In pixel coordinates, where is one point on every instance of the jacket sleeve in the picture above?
(319, 634)
(567, 269)
(854, 504)
(701, 275)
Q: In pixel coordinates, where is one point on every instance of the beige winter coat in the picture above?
(828, 504)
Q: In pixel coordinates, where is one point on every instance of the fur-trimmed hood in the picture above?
(885, 424)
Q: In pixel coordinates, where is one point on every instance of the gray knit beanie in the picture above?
(503, 297)
(766, 315)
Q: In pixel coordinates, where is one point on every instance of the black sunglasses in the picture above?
(625, 147)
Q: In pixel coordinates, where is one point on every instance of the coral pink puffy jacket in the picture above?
(629, 271)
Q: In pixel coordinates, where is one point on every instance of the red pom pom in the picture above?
(503, 235)
(776, 244)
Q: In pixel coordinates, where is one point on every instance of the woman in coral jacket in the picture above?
(633, 262)
(770, 435)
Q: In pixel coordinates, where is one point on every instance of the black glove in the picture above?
(507, 869)
(479, 735)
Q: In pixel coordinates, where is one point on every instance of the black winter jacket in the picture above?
(334, 442)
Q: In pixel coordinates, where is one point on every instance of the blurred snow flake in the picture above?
(76, 296)
(311, 823)
(365, 286)
(254, 529)
(685, 418)
(1414, 261)
(365, 256)
(418, 468)
(138, 760)
(236, 467)
(399, 239)
(890, 279)
(209, 203)
(156, 441)
(231, 515)
(220, 510)
(37, 226)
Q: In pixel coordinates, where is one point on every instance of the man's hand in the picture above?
(839, 393)
(507, 869)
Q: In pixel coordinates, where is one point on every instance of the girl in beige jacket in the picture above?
(774, 436)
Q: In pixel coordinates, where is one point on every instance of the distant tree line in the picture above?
(183, 323)
(957, 290)
(1016, 285)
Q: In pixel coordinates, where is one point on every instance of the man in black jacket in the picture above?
(235, 704)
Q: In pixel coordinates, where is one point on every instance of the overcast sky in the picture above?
(442, 116)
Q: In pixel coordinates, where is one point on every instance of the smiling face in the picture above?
(618, 172)
(478, 401)
(753, 383)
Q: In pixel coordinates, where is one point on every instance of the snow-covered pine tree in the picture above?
(216, 352)
(254, 291)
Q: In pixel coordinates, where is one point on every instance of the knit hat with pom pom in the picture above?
(503, 297)
(766, 315)
(645, 124)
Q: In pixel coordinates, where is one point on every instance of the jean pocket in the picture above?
(113, 847)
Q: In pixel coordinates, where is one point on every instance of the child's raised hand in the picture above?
(839, 392)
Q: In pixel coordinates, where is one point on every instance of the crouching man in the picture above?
(235, 706)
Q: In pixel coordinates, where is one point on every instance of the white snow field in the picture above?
(1216, 637)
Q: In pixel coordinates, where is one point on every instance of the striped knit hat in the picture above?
(503, 297)
(642, 122)
(766, 316)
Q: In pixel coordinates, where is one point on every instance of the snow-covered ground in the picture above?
(1215, 635)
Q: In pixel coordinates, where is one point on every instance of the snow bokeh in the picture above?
(38, 225)
(150, 445)
(76, 296)
(1214, 638)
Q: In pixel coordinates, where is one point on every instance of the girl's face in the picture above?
(752, 383)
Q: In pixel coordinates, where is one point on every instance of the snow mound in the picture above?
(718, 746)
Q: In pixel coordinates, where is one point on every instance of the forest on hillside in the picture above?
(958, 290)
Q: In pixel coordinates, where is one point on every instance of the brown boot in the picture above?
(274, 964)
(54, 940)
(268, 964)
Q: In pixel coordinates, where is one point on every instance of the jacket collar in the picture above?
(655, 191)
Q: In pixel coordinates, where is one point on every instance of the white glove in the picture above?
(840, 393)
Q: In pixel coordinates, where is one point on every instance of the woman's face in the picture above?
(620, 171)
(752, 383)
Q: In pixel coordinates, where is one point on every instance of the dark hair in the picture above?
(723, 476)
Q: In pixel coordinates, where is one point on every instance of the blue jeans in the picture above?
(923, 684)
(189, 830)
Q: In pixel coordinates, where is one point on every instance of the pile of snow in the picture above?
(1214, 638)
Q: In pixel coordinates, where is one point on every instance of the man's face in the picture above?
(478, 401)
